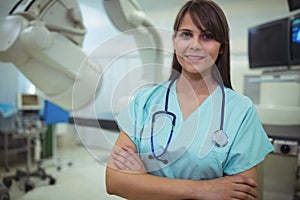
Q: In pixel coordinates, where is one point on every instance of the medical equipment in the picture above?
(127, 15)
(157, 157)
(43, 38)
(220, 138)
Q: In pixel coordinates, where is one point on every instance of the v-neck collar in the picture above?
(173, 92)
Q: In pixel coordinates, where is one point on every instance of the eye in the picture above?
(207, 36)
(185, 34)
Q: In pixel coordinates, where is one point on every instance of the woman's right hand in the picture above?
(125, 158)
(229, 187)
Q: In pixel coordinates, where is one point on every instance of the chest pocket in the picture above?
(209, 166)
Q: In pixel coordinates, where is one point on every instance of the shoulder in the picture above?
(137, 111)
(143, 95)
(234, 96)
(238, 101)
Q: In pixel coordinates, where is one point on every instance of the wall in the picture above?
(13, 82)
(241, 15)
(121, 74)
(8, 84)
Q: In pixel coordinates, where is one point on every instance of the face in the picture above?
(196, 50)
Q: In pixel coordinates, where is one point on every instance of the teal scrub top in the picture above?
(192, 152)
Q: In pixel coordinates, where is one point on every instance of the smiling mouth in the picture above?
(194, 57)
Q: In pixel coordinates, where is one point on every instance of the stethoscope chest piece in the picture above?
(220, 138)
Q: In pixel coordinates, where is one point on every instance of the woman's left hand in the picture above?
(126, 159)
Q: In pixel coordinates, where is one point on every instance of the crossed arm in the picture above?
(126, 176)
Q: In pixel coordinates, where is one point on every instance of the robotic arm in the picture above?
(47, 53)
(127, 15)
(43, 39)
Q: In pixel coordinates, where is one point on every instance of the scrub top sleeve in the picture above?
(250, 146)
(128, 118)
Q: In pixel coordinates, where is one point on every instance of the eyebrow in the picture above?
(188, 30)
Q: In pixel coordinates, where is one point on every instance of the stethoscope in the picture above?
(220, 138)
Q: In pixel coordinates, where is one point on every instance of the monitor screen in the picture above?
(295, 40)
(268, 45)
(29, 102)
(294, 4)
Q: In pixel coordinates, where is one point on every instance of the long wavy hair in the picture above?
(213, 18)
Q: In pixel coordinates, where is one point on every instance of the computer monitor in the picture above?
(294, 25)
(294, 5)
(268, 45)
(29, 102)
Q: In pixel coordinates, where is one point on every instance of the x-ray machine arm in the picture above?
(43, 39)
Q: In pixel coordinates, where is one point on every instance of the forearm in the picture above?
(145, 186)
(136, 186)
(126, 177)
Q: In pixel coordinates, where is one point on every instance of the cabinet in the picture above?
(276, 96)
(277, 99)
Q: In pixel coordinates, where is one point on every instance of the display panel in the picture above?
(295, 40)
(268, 45)
(294, 4)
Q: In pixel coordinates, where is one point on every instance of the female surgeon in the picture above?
(191, 137)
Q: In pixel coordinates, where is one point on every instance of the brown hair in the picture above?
(212, 17)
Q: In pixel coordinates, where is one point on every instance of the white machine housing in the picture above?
(43, 39)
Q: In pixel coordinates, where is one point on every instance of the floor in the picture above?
(84, 179)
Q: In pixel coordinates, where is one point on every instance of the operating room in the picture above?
(121, 47)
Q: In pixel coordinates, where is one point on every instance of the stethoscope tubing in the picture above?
(158, 157)
(172, 129)
(222, 106)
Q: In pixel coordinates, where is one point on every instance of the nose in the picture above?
(195, 45)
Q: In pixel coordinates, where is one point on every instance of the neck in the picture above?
(198, 86)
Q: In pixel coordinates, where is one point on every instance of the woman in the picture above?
(181, 155)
